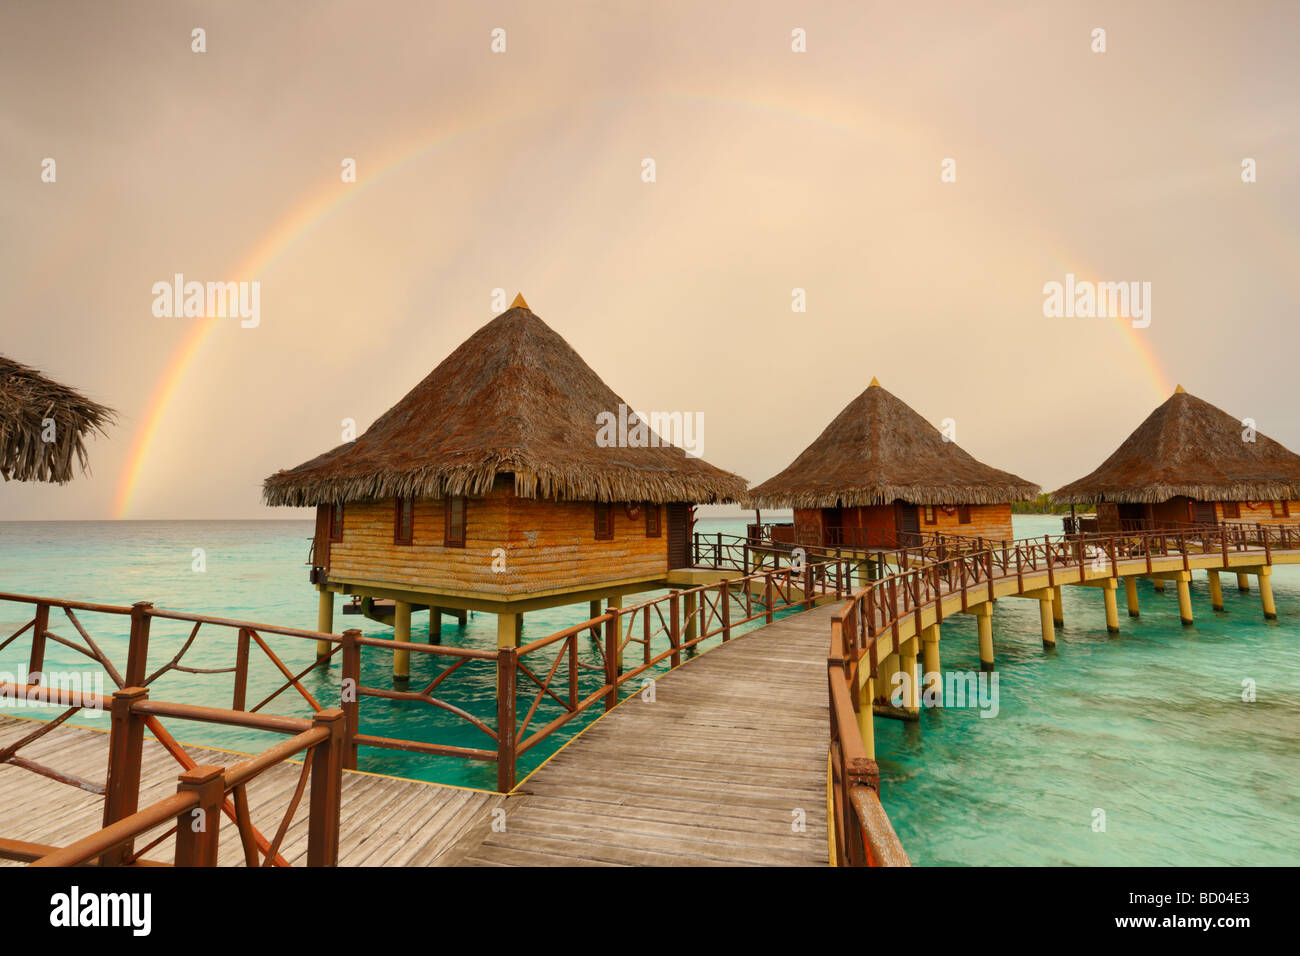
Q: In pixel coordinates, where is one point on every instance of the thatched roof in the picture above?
(516, 399)
(878, 449)
(1189, 447)
(27, 399)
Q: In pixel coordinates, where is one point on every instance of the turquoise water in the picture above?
(1148, 727)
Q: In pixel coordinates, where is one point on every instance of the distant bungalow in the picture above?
(486, 488)
(44, 425)
(1190, 463)
(880, 475)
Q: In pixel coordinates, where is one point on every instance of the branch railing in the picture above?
(867, 629)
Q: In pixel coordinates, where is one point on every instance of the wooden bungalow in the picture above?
(1190, 463)
(880, 475)
(44, 426)
(486, 488)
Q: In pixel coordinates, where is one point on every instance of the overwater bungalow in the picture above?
(880, 475)
(44, 426)
(1190, 463)
(486, 488)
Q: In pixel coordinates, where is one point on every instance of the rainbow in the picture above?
(334, 195)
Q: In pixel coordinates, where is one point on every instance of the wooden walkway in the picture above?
(386, 821)
(716, 771)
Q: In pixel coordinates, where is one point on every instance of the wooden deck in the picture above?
(386, 821)
(713, 772)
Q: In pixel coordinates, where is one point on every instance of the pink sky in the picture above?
(522, 171)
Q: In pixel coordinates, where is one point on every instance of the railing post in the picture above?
(125, 750)
(611, 659)
(350, 696)
(767, 597)
(240, 697)
(198, 828)
(724, 594)
(744, 560)
(36, 662)
(674, 627)
(507, 661)
(808, 587)
(327, 789)
(137, 655)
(695, 543)
(718, 551)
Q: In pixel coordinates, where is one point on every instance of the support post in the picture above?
(911, 689)
(350, 696)
(125, 750)
(1185, 599)
(984, 623)
(1216, 590)
(324, 620)
(1159, 585)
(507, 663)
(1243, 582)
(1058, 611)
(435, 624)
(1112, 606)
(402, 634)
(691, 620)
(507, 630)
(1265, 578)
(1046, 622)
(930, 662)
(866, 712)
(1131, 595)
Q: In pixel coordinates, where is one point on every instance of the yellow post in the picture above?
(1112, 606)
(610, 604)
(402, 632)
(1184, 599)
(1265, 576)
(866, 713)
(911, 689)
(1046, 621)
(507, 636)
(1159, 585)
(930, 660)
(1243, 581)
(1131, 594)
(884, 682)
(984, 623)
(1058, 612)
(1216, 590)
(594, 610)
(689, 618)
(324, 620)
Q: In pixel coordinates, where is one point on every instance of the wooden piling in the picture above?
(1131, 595)
(1216, 590)
(324, 620)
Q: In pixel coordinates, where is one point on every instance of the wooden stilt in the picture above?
(1159, 585)
(324, 620)
(1131, 595)
(1058, 612)
(1243, 581)
(435, 625)
(1112, 607)
(1265, 578)
(984, 623)
(507, 636)
(866, 712)
(401, 632)
(1047, 621)
(911, 689)
(1185, 599)
(930, 655)
(1216, 590)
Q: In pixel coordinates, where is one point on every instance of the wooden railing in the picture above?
(867, 630)
(203, 793)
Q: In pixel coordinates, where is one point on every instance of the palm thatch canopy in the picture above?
(878, 450)
(1189, 447)
(513, 399)
(29, 402)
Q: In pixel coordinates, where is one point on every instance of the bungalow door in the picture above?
(1202, 512)
(679, 535)
(320, 555)
(908, 523)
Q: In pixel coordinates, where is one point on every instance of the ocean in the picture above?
(1136, 749)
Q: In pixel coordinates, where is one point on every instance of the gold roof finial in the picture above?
(1180, 390)
(875, 382)
(519, 302)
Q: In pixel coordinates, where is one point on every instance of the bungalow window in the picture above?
(336, 522)
(404, 521)
(963, 514)
(604, 521)
(1231, 509)
(1281, 509)
(651, 521)
(453, 534)
(929, 516)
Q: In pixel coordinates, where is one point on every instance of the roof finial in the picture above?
(1180, 390)
(519, 302)
(875, 382)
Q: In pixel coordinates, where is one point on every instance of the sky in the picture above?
(825, 170)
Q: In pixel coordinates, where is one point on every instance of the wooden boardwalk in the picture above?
(386, 821)
(716, 771)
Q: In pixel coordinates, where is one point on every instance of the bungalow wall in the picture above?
(878, 524)
(548, 546)
(1179, 511)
